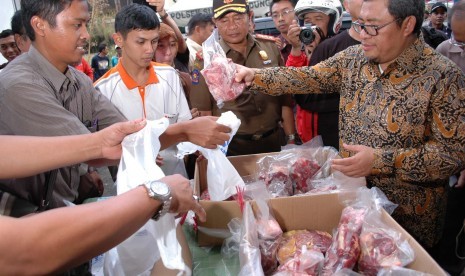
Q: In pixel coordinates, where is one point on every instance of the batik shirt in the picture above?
(412, 114)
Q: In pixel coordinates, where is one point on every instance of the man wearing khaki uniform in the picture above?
(260, 114)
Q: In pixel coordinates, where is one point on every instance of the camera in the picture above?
(306, 35)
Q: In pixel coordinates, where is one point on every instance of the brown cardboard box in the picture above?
(313, 212)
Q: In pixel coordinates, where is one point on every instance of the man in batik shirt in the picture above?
(402, 122)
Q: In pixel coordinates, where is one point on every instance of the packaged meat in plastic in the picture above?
(302, 171)
(304, 262)
(274, 171)
(345, 248)
(219, 72)
(269, 236)
(293, 241)
(381, 246)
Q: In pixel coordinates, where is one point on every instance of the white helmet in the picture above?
(333, 8)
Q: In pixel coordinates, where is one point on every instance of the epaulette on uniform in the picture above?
(265, 37)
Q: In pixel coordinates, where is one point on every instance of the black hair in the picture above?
(47, 10)
(457, 7)
(134, 17)
(199, 19)
(293, 2)
(101, 47)
(401, 9)
(17, 24)
(6, 33)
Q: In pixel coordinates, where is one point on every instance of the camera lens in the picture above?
(306, 35)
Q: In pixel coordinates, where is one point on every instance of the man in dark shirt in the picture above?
(437, 18)
(326, 105)
(282, 13)
(100, 62)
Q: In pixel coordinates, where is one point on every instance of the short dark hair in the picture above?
(6, 33)
(401, 9)
(17, 24)
(458, 7)
(102, 47)
(47, 10)
(293, 2)
(134, 17)
(199, 19)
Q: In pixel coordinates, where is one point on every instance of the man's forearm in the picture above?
(60, 240)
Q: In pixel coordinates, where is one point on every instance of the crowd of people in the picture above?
(388, 93)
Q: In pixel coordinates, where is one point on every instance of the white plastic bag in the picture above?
(138, 254)
(221, 174)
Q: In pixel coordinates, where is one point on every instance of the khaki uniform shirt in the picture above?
(258, 113)
(412, 114)
(38, 100)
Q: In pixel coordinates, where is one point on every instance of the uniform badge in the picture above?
(264, 57)
(195, 76)
(228, 1)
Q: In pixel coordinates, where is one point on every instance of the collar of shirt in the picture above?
(130, 82)
(284, 42)
(407, 60)
(50, 72)
(250, 44)
(453, 48)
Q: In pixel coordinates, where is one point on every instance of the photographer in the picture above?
(321, 20)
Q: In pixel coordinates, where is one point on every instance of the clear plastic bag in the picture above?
(381, 246)
(400, 271)
(249, 251)
(138, 254)
(304, 262)
(345, 248)
(219, 72)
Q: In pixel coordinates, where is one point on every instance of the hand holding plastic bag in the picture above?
(138, 254)
(221, 174)
(219, 72)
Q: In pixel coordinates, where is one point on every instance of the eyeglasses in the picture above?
(284, 13)
(455, 42)
(371, 30)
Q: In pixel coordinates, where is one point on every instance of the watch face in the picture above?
(160, 188)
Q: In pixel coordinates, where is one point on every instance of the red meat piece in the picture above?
(293, 240)
(380, 250)
(302, 171)
(345, 248)
(205, 195)
(277, 180)
(220, 78)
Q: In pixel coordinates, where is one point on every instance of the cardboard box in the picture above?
(312, 212)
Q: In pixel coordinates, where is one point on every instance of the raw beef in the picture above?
(301, 172)
(220, 78)
(345, 248)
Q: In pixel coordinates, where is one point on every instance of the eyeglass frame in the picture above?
(455, 42)
(283, 13)
(375, 27)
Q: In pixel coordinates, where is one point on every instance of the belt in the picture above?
(256, 137)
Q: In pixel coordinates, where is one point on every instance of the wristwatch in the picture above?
(163, 17)
(159, 191)
(291, 137)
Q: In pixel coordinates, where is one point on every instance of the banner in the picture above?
(183, 10)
